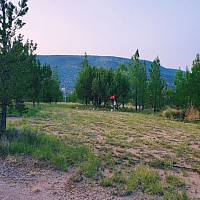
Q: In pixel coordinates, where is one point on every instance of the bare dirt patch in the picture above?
(27, 179)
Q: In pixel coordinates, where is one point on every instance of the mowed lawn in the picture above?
(168, 146)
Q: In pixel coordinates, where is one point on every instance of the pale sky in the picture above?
(167, 28)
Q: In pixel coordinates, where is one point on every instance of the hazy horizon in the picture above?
(167, 29)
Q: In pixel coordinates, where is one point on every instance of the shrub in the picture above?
(174, 114)
(192, 113)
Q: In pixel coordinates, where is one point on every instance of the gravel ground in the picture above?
(22, 179)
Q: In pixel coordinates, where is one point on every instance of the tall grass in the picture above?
(43, 146)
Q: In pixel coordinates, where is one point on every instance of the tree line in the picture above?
(188, 86)
(127, 83)
(131, 84)
(22, 77)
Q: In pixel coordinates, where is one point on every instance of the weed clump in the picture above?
(161, 164)
(92, 167)
(192, 113)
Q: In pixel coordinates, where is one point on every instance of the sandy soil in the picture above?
(27, 179)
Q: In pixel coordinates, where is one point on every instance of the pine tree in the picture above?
(10, 20)
(84, 82)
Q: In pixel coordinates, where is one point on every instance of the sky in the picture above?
(169, 29)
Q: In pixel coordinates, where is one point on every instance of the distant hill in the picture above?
(69, 66)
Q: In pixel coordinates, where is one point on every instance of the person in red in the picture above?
(112, 98)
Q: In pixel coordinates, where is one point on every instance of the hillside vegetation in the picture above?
(69, 66)
(132, 152)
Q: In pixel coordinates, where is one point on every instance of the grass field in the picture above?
(132, 151)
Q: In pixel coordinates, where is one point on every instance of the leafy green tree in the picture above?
(181, 94)
(55, 75)
(97, 87)
(134, 77)
(57, 94)
(10, 21)
(142, 85)
(46, 84)
(155, 86)
(169, 97)
(35, 82)
(122, 81)
(138, 80)
(20, 57)
(194, 82)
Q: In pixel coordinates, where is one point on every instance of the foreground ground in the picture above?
(128, 139)
(28, 179)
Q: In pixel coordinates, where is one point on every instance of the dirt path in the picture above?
(22, 180)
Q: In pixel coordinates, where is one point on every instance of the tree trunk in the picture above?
(3, 116)
(123, 102)
(4, 100)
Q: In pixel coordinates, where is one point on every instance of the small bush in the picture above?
(31, 112)
(174, 114)
(192, 113)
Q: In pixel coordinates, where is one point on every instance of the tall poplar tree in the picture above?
(134, 77)
(181, 93)
(142, 85)
(156, 86)
(194, 82)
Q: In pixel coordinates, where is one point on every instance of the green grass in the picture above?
(43, 146)
(161, 164)
(148, 180)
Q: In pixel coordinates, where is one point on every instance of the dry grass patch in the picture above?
(131, 137)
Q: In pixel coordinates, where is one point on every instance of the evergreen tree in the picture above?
(155, 86)
(84, 82)
(46, 84)
(35, 82)
(10, 20)
(123, 83)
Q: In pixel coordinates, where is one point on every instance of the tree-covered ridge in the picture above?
(70, 65)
